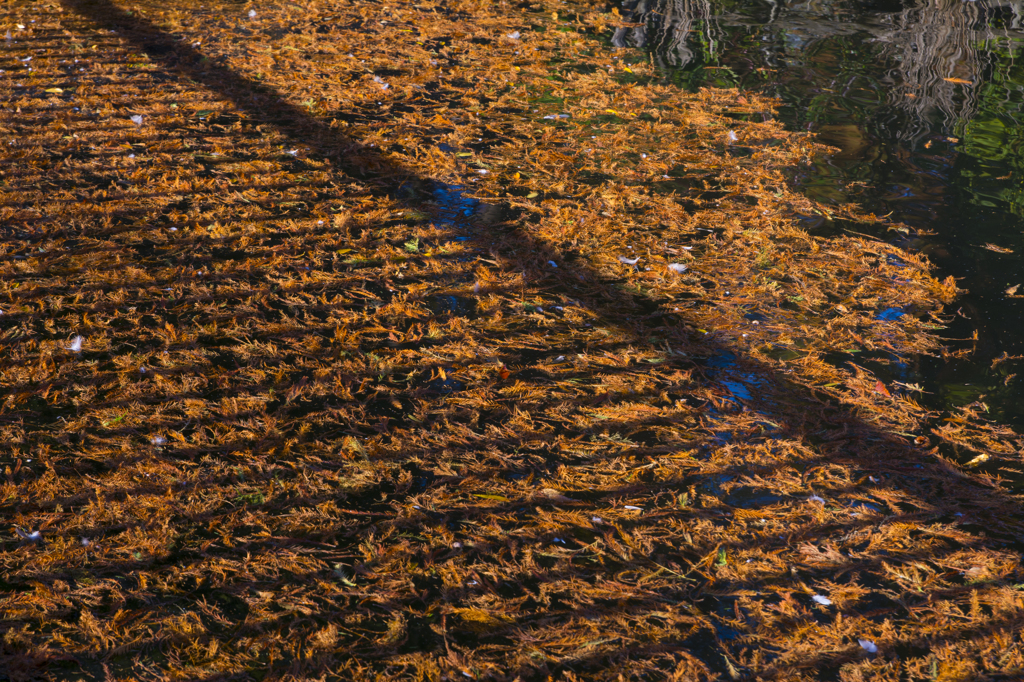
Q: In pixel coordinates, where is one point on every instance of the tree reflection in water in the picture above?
(936, 50)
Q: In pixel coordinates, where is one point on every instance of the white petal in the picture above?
(677, 267)
(629, 261)
(868, 646)
(815, 498)
(824, 601)
(252, 14)
(632, 508)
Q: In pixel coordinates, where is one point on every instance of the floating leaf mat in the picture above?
(440, 341)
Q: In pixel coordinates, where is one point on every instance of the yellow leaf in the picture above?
(487, 496)
(55, 91)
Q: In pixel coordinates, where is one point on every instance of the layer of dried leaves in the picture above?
(441, 341)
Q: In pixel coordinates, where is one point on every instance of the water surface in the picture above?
(924, 99)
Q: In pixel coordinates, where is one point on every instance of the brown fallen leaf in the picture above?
(554, 495)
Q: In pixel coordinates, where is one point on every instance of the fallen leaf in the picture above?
(980, 459)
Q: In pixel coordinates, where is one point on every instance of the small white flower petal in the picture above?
(815, 498)
(868, 646)
(632, 508)
(137, 119)
(824, 601)
(252, 14)
(629, 261)
(76, 345)
(677, 267)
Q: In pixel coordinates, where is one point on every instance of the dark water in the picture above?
(925, 100)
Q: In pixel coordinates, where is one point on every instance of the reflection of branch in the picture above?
(931, 44)
(665, 26)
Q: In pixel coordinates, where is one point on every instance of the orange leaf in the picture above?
(880, 387)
